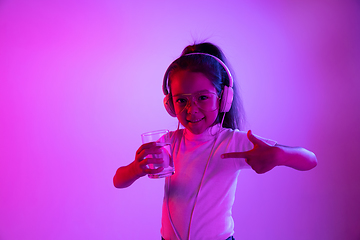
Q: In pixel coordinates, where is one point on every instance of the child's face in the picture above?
(185, 86)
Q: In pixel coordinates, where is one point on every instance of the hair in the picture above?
(213, 70)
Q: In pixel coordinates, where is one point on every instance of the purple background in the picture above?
(81, 80)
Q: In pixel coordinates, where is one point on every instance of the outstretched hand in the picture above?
(261, 158)
(140, 164)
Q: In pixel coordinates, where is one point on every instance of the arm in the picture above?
(296, 157)
(127, 175)
(263, 157)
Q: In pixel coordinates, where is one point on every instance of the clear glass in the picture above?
(161, 137)
(205, 100)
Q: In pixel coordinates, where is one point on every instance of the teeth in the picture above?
(195, 121)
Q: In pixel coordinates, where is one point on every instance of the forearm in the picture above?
(125, 176)
(296, 157)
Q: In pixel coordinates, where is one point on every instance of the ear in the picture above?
(169, 105)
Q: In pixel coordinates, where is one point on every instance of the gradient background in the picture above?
(81, 80)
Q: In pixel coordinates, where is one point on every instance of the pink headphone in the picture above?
(226, 96)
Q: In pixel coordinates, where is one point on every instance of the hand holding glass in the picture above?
(161, 138)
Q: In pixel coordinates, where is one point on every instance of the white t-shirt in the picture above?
(212, 216)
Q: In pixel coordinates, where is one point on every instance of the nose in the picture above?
(192, 107)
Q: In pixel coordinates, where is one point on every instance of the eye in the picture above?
(203, 97)
(181, 101)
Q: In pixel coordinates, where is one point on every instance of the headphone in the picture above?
(226, 95)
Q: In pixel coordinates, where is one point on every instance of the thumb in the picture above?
(254, 139)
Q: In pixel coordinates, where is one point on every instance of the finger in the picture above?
(146, 146)
(153, 171)
(144, 164)
(235, 155)
(152, 161)
(254, 139)
(148, 151)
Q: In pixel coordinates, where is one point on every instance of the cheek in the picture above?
(211, 117)
(181, 117)
(215, 116)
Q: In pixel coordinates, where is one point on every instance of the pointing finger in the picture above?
(235, 155)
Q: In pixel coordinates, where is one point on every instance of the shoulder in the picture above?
(232, 133)
(234, 137)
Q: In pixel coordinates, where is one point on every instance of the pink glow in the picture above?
(80, 82)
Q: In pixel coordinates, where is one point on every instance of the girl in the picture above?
(210, 151)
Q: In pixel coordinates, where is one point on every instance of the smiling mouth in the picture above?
(195, 121)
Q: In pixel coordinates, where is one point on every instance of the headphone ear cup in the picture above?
(226, 99)
(169, 106)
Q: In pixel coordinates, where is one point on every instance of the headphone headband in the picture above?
(166, 76)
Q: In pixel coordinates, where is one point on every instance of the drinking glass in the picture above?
(161, 137)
